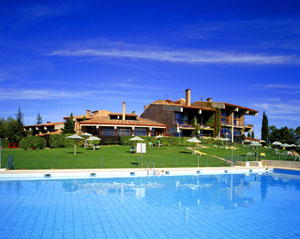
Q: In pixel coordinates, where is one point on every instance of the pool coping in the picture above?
(124, 173)
(30, 171)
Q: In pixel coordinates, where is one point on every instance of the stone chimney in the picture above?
(209, 99)
(133, 112)
(88, 113)
(123, 112)
(188, 97)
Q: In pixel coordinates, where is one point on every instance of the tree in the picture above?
(12, 130)
(297, 133)
(69, 125)
(18, 127)
(39, 119)
(265, 128)
(248, 135)
(196, 126)
(252, 134)
(2, 128)
(283, 135)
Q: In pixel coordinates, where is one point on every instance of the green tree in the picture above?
(196, 126)
(252, 134)
(297, 133)
(39, 119)
(265, 128)
(12, 130)
(69, 125)
(283, 135)
(248, 135)
(2, 128)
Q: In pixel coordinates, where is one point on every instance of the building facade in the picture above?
(45, 129)
(180, 115)
(106, 123)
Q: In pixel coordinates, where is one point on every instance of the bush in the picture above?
(167, 141)
(4, 143)
(32, 142)
(60, 141)
(109, 140)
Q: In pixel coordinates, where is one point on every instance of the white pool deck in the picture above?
(124, 172)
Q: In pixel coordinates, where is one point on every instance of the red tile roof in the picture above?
(42, 125)
(181, 103)
(107, 121)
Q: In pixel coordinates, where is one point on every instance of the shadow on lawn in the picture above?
(73, 152)
(185, 152)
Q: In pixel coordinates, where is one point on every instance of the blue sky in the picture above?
(58, 57)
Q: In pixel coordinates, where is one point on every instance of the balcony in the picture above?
(249, 125)
(230, 124)
(190, 126)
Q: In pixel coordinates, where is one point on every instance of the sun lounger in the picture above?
(196, 152)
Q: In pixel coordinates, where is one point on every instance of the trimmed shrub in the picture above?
(60, 141)
(32, 142)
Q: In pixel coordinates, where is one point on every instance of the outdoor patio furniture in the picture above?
(132, 149)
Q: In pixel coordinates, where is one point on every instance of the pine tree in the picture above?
(69, 125)
(248, 135)
(39, 119)
(252, 134)
(18, 126)
(265, 128)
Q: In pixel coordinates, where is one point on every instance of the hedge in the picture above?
(32, 142)
(109, 140)
(61, 141)
(167, 141)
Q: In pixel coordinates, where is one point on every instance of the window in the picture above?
(178, 118)
(140, 131)
(124, 131)
(110, 131)
(224, 118)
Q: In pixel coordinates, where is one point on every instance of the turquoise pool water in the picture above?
(203, 206)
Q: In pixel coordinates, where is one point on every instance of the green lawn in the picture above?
(241, 152)
(113, 156)
(117, 156)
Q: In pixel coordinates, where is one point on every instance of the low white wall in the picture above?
(281, 164)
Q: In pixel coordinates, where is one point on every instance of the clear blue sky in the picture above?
(58, 57)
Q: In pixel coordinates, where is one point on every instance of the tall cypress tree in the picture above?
(39, 119)
(265, 128)
(69, 125)
(19, 133)
(252, 134)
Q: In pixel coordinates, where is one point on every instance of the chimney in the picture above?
(88, 113)
(201, 98)
(209, 99)
(123, 113)
(133, 112)
(188, 97)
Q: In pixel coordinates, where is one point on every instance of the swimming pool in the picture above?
(191, 206)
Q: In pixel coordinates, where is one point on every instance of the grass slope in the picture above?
(113, 156)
